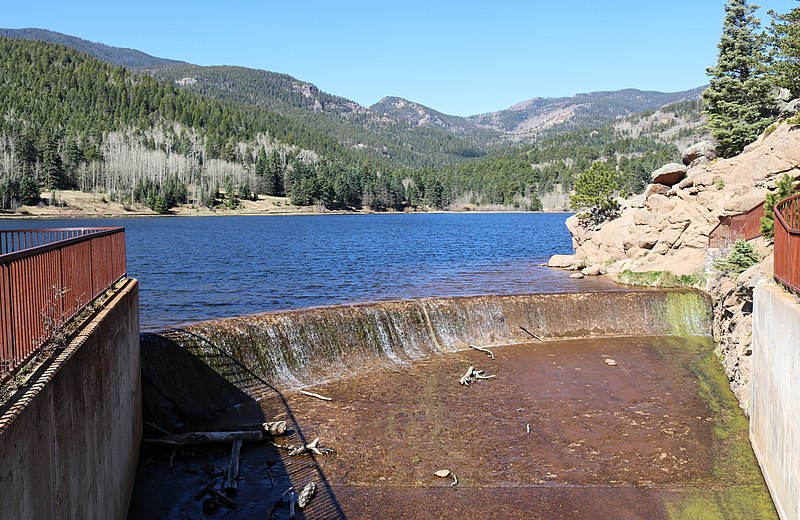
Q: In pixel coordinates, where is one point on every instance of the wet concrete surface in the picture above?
(659, 435)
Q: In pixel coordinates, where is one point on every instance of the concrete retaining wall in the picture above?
(69, 446)
(775, 404)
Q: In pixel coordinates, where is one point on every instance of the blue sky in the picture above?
(459, 57)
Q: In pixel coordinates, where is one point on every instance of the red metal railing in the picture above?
(745, 226)
(46, 278)
(787, 242)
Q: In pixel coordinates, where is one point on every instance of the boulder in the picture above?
(669, 174)
(577, 276)
(566, 262)
(656, 189)
(703, 149)
(592, 270)
(791, 108)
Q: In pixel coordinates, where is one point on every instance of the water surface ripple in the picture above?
(196, 268)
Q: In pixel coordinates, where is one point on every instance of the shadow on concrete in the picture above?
(190, 384)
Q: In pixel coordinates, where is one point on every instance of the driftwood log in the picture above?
(472, 375)
(232, 481)
(195, 438)
(312, 394)
(484, 350)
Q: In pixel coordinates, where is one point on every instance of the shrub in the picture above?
(741, 257)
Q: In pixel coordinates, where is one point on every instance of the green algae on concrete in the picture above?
(687, 313)
(737, 488)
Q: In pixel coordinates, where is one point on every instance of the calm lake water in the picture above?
(196, 268)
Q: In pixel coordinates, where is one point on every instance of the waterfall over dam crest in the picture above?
(296, 348)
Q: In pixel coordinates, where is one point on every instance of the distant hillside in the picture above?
(118, 56)
(411, 113)
(366, 130)
(580, 111)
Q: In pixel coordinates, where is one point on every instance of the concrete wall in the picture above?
(69, 446)
(775, 404)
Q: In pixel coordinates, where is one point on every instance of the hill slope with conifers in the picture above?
(71, 121)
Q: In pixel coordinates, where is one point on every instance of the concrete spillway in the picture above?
(290, 349)
(559, 433)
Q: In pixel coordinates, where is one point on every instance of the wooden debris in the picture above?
(232, 482)
(481, 349)
(306, 495)
(472, 375)
(312, 394)
(269, 428)
(442, 473)
(194, 438)
(292, 502)
(313, 447)
(467, 378)
(531, 334)
(209, 489)
(478, 374)
(610, 362)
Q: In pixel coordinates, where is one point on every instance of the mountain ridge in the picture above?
(284, 93)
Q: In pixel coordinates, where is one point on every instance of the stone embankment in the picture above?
(667, 229)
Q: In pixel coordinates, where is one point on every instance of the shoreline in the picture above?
(72, 204)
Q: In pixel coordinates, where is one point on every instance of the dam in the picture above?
(599, 405)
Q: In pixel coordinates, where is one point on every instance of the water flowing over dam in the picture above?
(290, 349)
(597, 405)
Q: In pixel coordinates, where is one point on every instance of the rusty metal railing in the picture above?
(787, 242)
(47, 277)
(745, 226)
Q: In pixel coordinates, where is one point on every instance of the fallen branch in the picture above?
(313, 447)
(231, 483)
(269, 428)
(208, 489)
(485, 350)
(478, 374)
(194, 438)
(531, 334)
(467, 378)
(312, 394)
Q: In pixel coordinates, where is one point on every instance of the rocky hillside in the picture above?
(580, 111)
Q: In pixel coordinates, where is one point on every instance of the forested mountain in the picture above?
(114, 55)
(580, 111)
(394, 131)
(178, 133)
(356, 127)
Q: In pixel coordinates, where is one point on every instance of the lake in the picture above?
(197, 268)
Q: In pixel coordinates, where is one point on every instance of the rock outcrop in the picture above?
(669, 174)
(668, 228)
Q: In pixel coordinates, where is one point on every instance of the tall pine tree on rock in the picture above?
(737, 101)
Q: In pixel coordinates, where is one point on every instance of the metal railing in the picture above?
(47, 277)
(787, 242)
(745, 226)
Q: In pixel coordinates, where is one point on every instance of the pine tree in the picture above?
(784, 41)
(737, 101)
(594, 193)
